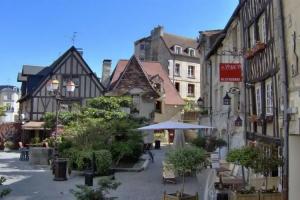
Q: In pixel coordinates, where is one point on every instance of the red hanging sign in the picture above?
(230, 72)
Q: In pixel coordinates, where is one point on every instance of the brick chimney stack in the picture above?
(106, 66)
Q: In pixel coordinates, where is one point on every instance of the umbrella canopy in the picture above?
(173, 125)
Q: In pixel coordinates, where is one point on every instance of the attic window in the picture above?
(178, 49)
(192, 52)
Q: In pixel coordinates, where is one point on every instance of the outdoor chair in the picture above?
(168, 173)
(24, 152)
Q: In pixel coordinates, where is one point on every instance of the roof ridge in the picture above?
(180, 36)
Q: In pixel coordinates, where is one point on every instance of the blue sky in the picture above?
(38, 31)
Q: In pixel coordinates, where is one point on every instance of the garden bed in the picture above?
(140, 165)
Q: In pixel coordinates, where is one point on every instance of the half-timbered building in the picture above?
(35, 100)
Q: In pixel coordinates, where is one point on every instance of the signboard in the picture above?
(230, 72)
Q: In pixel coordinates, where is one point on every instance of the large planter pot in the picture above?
(270, 196)
(177, 196)
(39, 155)
(60, 169)
(239, 196)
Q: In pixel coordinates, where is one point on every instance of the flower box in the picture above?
(270, 196)
(269, 118)
(259, 47)
(178, 196)
(249, 54)
(251, 196)
(253, 118)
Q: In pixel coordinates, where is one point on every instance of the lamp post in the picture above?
(53, 88)
(227, 102)
(200, 103)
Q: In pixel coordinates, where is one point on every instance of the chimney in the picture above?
(106, 66)
(158, 31)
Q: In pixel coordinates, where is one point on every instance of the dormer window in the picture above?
(192, 52)
(178, 49)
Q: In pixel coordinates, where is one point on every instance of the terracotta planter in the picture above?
(253, 118)
(176, 196)
(260, 46)
(249, 54)
(253, 196)
(270, 196)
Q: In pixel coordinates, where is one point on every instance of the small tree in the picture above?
(185, 159)
(245, 157)
(2, 110)
(99, 193)
(266, 161)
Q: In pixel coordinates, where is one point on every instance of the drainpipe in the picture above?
(284, 94)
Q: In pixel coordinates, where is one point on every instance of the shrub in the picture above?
(9, 145)
(4, 191)
(103, 161)
(99, 193)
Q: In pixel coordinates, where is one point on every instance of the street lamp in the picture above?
(227, 102)
(200, 103)
(53, 87)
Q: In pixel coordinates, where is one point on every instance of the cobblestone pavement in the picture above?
(36, 182)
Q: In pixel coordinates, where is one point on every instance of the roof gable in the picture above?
(154, 73)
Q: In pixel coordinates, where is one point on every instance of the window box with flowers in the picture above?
(269, 118)
(253, 118)
(249, 54)
(260, 121)
(259, 47)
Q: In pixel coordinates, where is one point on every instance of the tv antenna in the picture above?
(74, 38)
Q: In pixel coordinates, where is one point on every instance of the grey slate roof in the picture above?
(31, 69)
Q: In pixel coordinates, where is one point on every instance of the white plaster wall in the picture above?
(184, 80)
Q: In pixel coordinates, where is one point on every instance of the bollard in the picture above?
(88, 178)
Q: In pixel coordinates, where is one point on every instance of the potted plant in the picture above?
(266, 161)
(249, 54)
(260, 46)
(183, 161)
(8, 145)
(253, 118)
(244, 157)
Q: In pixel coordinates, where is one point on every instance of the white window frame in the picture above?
(191, 94)
(262, 31)
(191, 69)
(192, 52)
(258, 100)
(252, 36)
(177, 73)
(177, 47)
(269, 98)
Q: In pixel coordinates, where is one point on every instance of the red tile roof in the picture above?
(152, 68)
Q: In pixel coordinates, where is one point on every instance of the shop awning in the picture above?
(33, 125)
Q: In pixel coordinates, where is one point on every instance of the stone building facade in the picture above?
(178, 56)
(267, 41)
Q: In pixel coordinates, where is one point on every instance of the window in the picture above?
(191, 90)
(269, 99)
(158, 107)
(177, 86)
(177, 69)
(4, 97)
(191, 71)
(9, 96)
(142, 46)
(262, 29)
(178, 49)
(192, 52)
(252, 39)
(258, 100)
(157, 87)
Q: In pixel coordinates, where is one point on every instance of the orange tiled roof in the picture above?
(152, 68)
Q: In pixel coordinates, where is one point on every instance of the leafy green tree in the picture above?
(185, 160)
(245, 157)
(266, 161)
(2, 110)
(99, 193)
